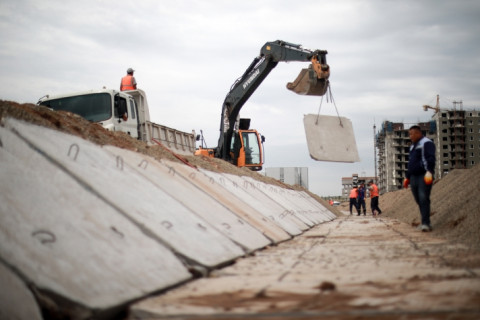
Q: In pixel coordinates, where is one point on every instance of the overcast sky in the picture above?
(387, 59)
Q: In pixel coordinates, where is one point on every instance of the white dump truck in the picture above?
(125, 111)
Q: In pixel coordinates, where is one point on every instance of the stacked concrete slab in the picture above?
(89, 229)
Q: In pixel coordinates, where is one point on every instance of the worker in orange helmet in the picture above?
(128, 82)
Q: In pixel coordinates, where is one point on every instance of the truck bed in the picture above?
(178, 141)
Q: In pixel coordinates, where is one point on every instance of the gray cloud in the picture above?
(388, 58)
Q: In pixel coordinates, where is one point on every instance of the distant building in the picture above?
(355, 180)
(289, 175)
(455, 133)
(458, 135)
(393, 143)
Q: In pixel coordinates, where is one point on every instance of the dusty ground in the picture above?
(349, 268)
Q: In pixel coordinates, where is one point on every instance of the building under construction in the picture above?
(354, 181)
(393, 144)
(455, 132)
(458, 138)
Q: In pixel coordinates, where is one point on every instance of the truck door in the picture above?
(126, 115)
(134, 115)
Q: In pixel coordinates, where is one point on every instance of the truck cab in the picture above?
(125, 111)
(115, 111)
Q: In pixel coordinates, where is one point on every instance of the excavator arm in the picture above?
(311, 81)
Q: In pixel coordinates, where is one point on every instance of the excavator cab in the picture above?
(246, 147)
(312, 81)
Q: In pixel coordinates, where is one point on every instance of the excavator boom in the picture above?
(311, 81)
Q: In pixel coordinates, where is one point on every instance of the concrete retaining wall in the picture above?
(90, 229)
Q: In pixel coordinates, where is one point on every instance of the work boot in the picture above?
(425, 228)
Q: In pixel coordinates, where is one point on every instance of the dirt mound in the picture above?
(455, 206)
(74, 124)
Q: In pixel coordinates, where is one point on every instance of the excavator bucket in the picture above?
(312, 81)
(307, 83)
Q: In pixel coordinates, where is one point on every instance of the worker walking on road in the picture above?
(374, 198)
(361, 199)
(353, 199)
(421, 165)
(128, 82)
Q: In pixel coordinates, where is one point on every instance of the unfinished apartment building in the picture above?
(455, 132)
(393, 144)
(458, 135)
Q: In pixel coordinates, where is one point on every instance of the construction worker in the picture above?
(374, 198)
(353, 199)
(361, 199)
(421, 165)
(128, 82)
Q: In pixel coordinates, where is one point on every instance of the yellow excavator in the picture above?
(238, 143)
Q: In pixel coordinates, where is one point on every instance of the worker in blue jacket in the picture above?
(421, 167)
(361, 199)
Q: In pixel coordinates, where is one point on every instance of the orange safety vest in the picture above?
(127, 83)
(353, 193)
(373, 191)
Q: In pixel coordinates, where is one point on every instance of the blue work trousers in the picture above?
(421, 192)
(361, 204)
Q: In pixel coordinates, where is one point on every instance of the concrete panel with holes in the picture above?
(89, 229)
(242, 209)
(250, 186)
(147, 206)
(292, 200)
(267, 207)
(61, 238)
(197, 200)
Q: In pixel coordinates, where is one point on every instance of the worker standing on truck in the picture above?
(128, 82)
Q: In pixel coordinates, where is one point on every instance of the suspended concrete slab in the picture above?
(194, 198)
(66, 241)
(147, 206)
(330, 138)
(268, 208)
(242, 209)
